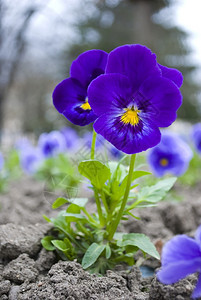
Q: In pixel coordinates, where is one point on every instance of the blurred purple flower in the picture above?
(115, 153)
(181, 256)
(70, 97)
(31, 159)
(87, 140)
(196, 136)
(22, 143)
(71, 137)
(1, 161)
(171, 155)
(52, 143)
(134, 98)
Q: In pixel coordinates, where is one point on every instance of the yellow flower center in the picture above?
(86, 105)
(163, 162)
(130, 116)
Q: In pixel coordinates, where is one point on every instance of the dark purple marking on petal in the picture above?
(88, 66)
(125, 137)
(159, 98)
(137, 62)
(172, 74)
(109, 92)
(79, 116)
(68, 96)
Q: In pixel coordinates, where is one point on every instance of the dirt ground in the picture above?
(29, 272)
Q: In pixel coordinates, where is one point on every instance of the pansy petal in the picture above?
(79, 116)
(135, 61)
(178, 270)
(160, 98)
(180, 248)
(126, 137)
(67, 93)
(68, 97)
(197, 291)
(198, 235)
(88, 66)
(172, 74)
(109, 92)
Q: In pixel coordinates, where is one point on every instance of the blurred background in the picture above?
(39, 39)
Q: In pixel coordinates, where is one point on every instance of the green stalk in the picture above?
(99, 209)
(104, 200)
(93, 144)
(83, 229)
(115, 224)
(91, 220)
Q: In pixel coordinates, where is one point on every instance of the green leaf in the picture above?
(81, 202)
(61, 224)
(60, 245)
(47, 243)
(59, 202)
(70, 217)
(156, 192)
(138, 174)
(141, 241)
(74, 209)
(47, 219)
(132, 215)
(92, 254)
(108, 251)
(95, 171)
(118, 236)
(118, 171)
(68, 244)
(125, 258)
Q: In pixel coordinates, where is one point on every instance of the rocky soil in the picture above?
(29, 272)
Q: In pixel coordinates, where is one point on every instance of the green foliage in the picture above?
(47, 243)
(150, 195)
(92, 254)
(12, 165)
(11, 170)
(88, 237)
(192, 176)
(95, 171)
(59, 173)
(140, 241)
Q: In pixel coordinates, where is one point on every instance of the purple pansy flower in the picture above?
(70, 97)
(171, 155)
(181, 256)
(31, 159)
(196, 136)
(134, 98)
(22, 143)
(52, 143)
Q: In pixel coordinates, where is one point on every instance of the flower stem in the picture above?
(123, 204)
(92, 221)
(99, 209)
(93, 144)
(104, 200)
